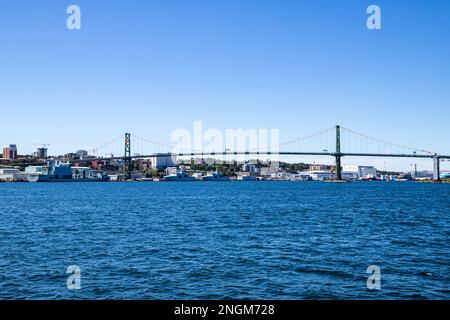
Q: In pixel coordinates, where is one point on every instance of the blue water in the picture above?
(242, 240)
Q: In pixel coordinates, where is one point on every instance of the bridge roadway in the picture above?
(281, 153)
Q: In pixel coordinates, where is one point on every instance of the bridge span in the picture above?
(337, 153)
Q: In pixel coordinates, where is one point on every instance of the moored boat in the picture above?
(179, 176)
(215, 176)
(56, 171)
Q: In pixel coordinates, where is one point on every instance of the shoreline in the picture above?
(231, 181)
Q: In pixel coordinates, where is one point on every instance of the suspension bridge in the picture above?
(336, 142)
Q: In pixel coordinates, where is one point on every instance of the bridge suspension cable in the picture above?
(380, 141)
(307, 137)
(320, 141)
(166, 147)
(107, 147)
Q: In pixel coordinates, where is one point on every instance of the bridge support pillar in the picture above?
(127, 157)
(338, 168)
(436, 169)
(338, 154)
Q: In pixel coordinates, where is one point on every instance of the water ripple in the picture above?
(255, 240)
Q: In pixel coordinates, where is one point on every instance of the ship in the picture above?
(180, 175)
(215, 176)
(246, 178)
(57, 171)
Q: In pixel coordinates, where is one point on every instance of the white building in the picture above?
(7, 174)
(250, 167)
(321, 175)
(302, 176)
(246, 178)
(284, 175)
(318, 167)
(269, 171)
(358, 172)
(12, 174)
(163, 162)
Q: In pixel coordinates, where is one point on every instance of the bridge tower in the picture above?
(338, 153)
(127, 157)
(436, 167)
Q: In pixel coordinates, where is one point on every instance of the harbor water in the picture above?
(225, 240)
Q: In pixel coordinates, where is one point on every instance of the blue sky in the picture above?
(150, 67)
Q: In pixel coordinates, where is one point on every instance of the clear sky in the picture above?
(151, 67)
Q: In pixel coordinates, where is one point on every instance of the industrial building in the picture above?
(11, 174)
(7, 174)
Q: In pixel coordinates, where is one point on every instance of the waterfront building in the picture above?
(318, 167)
(321, 175)
(354, 172)
(8, 174)
(268, 171)
(163, 161)
(389, 177)
(10, 152)
(250, 167)
(349, 175)
(406, 176)
(423, 175)
(113, 177)
(241, 177)
(284, 175)
(116, 177)
(302, 176)
(248, 174)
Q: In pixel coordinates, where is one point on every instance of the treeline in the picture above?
(227, 168)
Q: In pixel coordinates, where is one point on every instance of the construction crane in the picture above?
(41, 152)
(44, 145)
